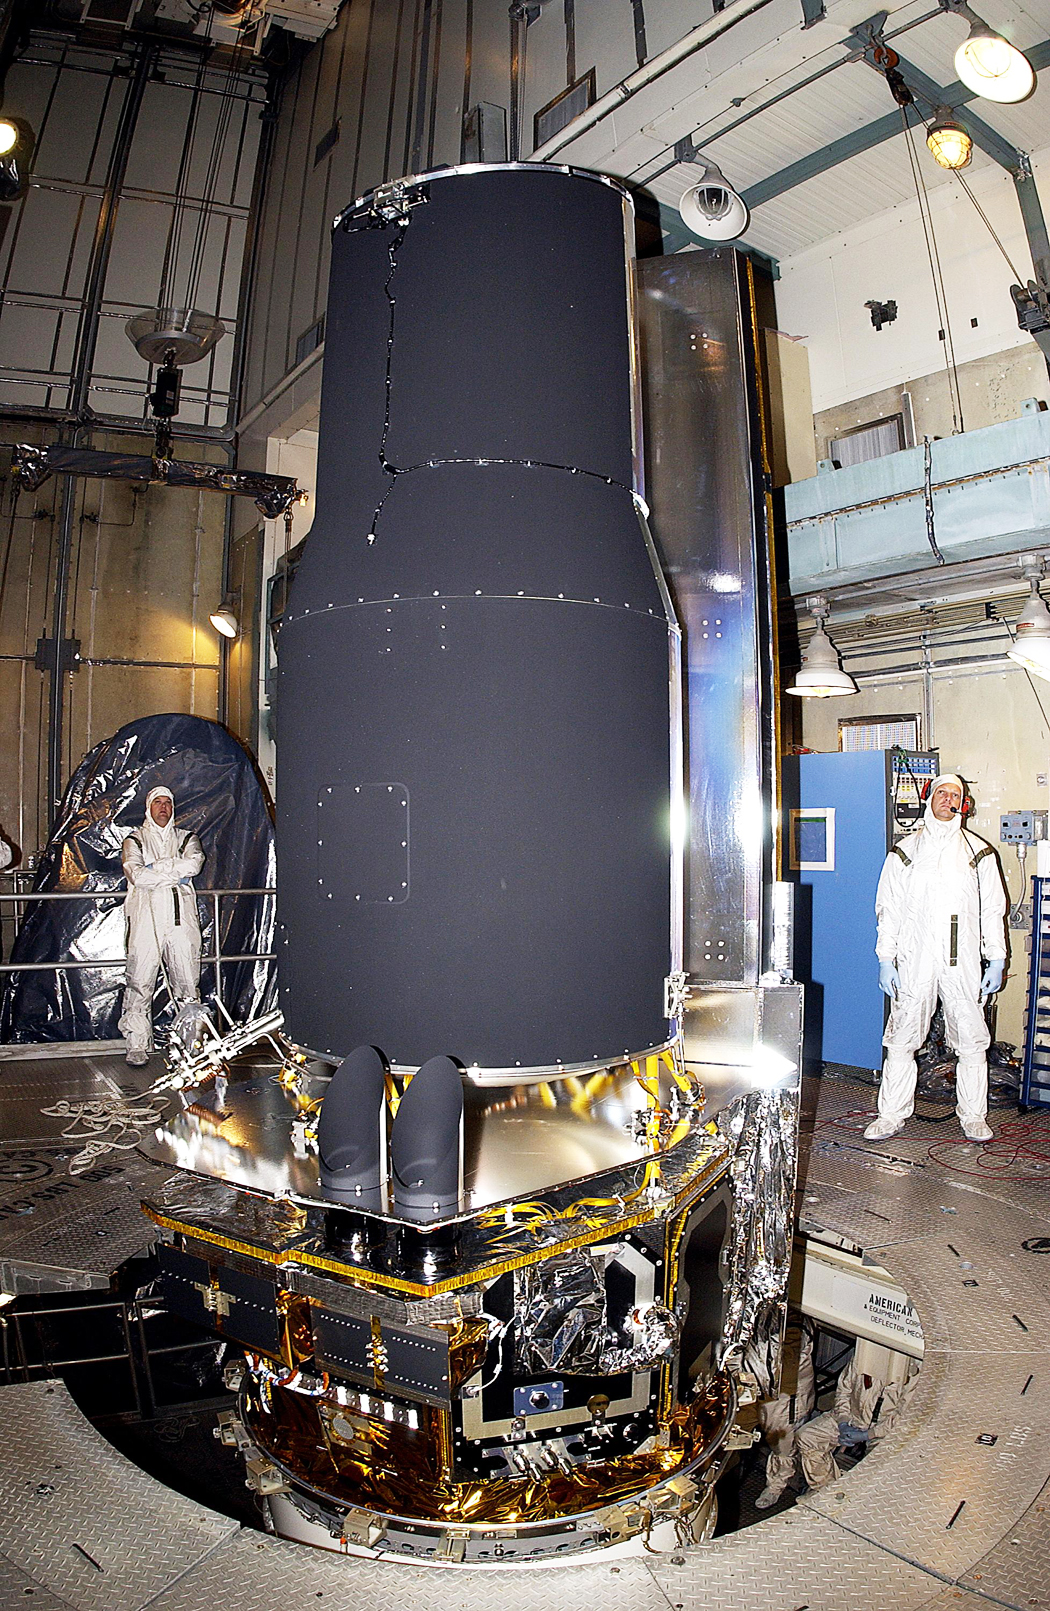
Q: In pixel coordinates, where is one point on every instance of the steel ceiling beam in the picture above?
(882, 129)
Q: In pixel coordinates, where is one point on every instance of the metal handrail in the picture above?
(214, 959)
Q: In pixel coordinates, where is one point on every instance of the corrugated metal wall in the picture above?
(384, 94)
(97, 238)
(145, 570)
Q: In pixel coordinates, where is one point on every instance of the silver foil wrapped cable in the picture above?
(763, 1127)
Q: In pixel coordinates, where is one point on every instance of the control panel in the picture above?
(911, 771)
(1022, 827)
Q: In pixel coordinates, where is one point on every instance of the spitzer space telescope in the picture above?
(497, 1268)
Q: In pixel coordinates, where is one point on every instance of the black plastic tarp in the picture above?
(219, 796)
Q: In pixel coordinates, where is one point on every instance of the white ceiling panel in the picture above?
(785, 121)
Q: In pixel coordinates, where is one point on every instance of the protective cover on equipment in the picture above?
(218, 796)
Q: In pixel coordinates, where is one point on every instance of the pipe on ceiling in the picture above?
(687, 46)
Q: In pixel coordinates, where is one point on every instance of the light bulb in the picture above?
(993, 68)
(224, 620)
(8, 136)
(949, 143)
(821, 676)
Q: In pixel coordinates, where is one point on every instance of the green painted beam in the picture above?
(882, 129)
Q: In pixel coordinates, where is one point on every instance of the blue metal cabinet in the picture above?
(838, 832)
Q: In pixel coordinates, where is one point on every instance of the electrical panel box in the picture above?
(910, 772)
(1022, 827)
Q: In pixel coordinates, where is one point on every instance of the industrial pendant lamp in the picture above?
(225, 618)
(949, 143)
(711, 210)
(1031, 645)
(821, 675)
(989, 65)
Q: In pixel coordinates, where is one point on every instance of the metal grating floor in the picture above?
(931, 1520)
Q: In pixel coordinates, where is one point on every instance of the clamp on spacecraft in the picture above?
(499, 1235)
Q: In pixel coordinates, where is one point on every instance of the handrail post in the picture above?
(218, 954)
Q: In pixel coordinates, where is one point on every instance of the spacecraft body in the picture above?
(474, 843)
(497, 1282)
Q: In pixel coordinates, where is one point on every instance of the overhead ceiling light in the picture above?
(990, 66)
(1031, 645)
(821, 676)
(225, 618)
(949, 143)
(8, 136)
(712, 210)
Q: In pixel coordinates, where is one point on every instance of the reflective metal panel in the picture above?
(709, 529)
(518, 1139)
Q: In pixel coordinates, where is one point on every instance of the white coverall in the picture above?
(780, 1419)
(863, 1404)
(940, 906)
(162, 921)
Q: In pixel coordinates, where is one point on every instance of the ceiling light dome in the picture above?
(949, 143)
(712, 210)
(993, 68)
(1031, 646)
(821, 676)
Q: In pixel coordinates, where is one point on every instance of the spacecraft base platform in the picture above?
(953, 1509)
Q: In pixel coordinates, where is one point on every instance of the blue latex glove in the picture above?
(993, 977)
(889, 979)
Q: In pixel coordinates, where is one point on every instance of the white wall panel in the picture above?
(822, 291)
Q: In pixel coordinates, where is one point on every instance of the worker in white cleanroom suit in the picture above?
(940, 906)
(162, 922)
(780, 1418)
(867, 1407)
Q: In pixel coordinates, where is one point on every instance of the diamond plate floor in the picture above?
(61, 1231)
(931, 1520)
(80, 1520)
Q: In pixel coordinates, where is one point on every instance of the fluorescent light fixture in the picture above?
(949, 143)
(1031, 646)
(990, 66)
(712, 210)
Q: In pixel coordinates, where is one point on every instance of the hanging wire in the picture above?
(173, 252)
(940, 295)
(174, 245)
(227, 100)
(990, 227)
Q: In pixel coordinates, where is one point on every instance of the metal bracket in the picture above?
(58, 657)
(264, 1477)
(215, 1301)
(363, 1528)
(388, 204)
(676, 995)
(741, 1437)
(812, 11)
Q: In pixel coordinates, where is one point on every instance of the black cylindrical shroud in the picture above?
(473, 805)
